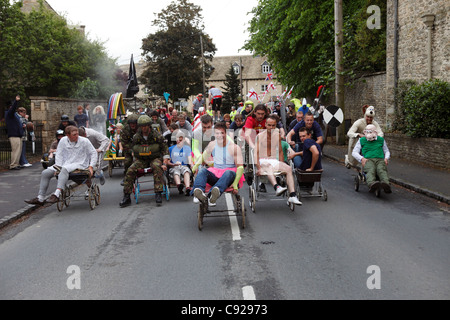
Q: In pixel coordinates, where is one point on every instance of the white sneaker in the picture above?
(280, 190)
(27, 165)
(200, 195)
(215, 194)
(196, 201)
(211, 204)
(295, 201)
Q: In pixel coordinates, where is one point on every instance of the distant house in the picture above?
(252, 70)
(30, 5)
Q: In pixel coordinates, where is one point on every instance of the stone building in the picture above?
(252, 70)
(410, 54)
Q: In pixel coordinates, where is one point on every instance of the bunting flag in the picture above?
(285, 91)
(271, 86)
(290, 93)
(252, 94)
(269, 76)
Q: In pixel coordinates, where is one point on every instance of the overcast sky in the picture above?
(123, 24)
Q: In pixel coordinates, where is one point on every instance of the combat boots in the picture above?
(126, 201)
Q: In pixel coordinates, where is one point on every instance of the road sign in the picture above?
(333, 116)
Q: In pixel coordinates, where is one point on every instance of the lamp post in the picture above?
(428, 19)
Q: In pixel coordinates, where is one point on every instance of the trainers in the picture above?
(26, 165)
(374, 186)
(196, 201)
(215, 194)
(295, 201)
(262, 187)
(180, 189)
(35, 201)
(200, 195)
(53, 199)
(280, 190)
(102, 178)
(187, 193)
(386, 187)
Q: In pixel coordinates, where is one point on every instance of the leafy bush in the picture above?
(426, 110)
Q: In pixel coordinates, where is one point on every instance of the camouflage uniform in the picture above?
(126, 137)
(149, 154)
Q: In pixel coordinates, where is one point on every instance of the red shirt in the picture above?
(251, 123)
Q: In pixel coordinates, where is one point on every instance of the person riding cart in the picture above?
(150, 151)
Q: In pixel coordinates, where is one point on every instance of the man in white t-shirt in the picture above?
(215, 98)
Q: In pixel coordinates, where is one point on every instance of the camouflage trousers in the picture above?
(128, 161)
(158, 175)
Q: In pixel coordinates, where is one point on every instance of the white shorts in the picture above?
(179, 170)
(273, 162)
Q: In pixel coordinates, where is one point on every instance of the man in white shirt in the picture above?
(215, 97)
(100, 143)
(73, 153)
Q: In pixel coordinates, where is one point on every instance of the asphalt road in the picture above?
(353, 246)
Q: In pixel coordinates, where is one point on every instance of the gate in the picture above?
(5, 146)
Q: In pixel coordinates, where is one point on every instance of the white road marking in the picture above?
(233, 219)
(249, 293)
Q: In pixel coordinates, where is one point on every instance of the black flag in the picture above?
(132, 84)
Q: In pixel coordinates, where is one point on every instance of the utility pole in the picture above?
(203, 64)
(339, 56)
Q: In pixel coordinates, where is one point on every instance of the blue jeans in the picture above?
(23, 156)
(298, 159)
(206, 177)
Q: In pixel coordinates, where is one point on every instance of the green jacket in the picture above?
(153, 148)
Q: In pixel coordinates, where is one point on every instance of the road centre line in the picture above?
(233, 219)
(248, 293)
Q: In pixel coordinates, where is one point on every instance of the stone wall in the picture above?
(412, 44)
(429, 151)
(48, 111)
(370, 90)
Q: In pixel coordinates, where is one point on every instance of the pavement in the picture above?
(18, 185)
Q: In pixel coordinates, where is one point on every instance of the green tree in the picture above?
(231, 91)
(41, 55)
(173, 53)
(297, 36)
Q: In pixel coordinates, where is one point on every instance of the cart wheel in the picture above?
(356, 184)
(325, 196)
(242, 205)
(60, 203)
(67, 195)
(252, 200)
(200, 216)
(378, 192)
(97, 195)
(291, 206)
(167, 192)
(91, 198)
(136, 192)
(110, 168)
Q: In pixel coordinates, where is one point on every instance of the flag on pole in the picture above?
(290, 93)
(269, 76)
(166, 96)
(252, 94)
(132, 83)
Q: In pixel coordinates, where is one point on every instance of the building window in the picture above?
(265, 67)
(236, 68)
(264, 87)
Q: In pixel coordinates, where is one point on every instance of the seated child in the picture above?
(180, 162)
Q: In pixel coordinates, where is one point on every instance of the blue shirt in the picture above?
(316, 131)
(307, 155)
(180, 155)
